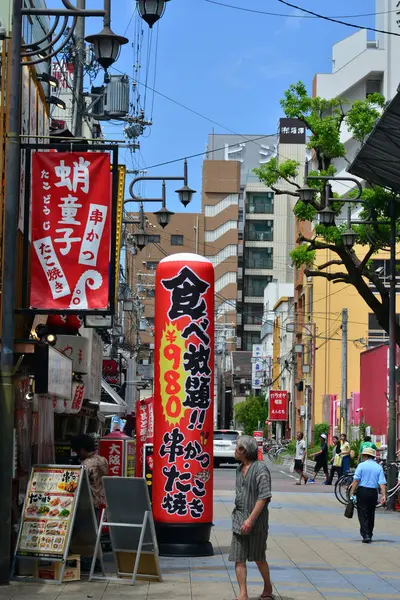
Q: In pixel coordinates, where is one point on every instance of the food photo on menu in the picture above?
(48, 510)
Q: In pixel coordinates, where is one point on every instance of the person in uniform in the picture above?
(368, 478)
(250, 516)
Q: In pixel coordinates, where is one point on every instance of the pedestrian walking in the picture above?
(367, 443)
(336, 461)
(250, 516)
(97, 468)
(300, 457)
(369, 476)
(345, 453)
(321, 461)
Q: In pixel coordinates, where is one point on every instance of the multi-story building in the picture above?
(249, 230)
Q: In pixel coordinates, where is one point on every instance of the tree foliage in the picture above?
(325, 120)
(250, 412)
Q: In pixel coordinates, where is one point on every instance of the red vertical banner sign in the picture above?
(278, 405)
(144, 430)
(71, 230)
(183, 400)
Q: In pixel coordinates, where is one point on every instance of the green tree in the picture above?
(250, 412)
(324, 120)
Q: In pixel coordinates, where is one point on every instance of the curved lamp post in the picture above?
(163, 215)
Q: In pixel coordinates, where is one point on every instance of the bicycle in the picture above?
(343, 486)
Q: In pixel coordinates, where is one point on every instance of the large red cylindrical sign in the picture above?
(184, 384)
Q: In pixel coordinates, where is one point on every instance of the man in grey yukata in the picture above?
(250, 516)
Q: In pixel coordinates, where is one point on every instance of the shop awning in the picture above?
(116, 405)
(378, 160)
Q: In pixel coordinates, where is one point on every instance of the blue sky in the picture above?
(229, 65)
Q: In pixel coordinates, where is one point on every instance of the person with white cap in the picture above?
(321, 461)
(369, 476)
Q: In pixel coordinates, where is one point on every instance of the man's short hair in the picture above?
(301, 434)
(83, 442)
(249, 445)
(367, 438)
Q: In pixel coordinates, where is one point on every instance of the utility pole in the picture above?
(78, 100)
(345, 317)
(12, 178)
(392, 424)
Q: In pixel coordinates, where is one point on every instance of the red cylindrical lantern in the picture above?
(183, 405)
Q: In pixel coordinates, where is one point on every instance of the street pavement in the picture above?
(313, 551)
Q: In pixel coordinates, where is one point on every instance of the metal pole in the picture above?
(11, 204)
(345, 317)
(392, 424)
(78, 101)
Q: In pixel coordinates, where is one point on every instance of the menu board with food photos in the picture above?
(48, 513)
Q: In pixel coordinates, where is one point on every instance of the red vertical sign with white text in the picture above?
(184, 387)
(144, 430)
(71, 230)
(278, 405)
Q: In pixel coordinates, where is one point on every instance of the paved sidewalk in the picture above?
(314, 552)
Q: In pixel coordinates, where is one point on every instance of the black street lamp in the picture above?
(163, 215)
(151, 10)
(106, 44)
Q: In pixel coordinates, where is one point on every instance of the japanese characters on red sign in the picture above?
(144, 430)
(71, 230)
(183, 399)
(113, 451)
(278, 402)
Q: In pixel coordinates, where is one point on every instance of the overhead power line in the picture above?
(333, 20)
(291, 16)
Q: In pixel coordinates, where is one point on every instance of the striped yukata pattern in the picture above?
(256, 485)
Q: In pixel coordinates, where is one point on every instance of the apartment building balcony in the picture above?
(254, 299)
(255, 328)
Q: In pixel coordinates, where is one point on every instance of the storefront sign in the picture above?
(183, 399)
(278, 404)
(78, 394)
(111, 371)
(48, 512)
(113, 451)
(292, 131)
(59, 375)
(92, 381)
(148, 467)
(130, 456)
(144, 430)
(120, 453)
(75, 347)
(71, 230)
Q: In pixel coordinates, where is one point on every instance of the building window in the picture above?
(253, 314)
(260, 231)
(250, 338)
(259, 258)
(260, 203)
(152, 265)
(154, 239)
(176, 240)
(255, 285)
(150, 293)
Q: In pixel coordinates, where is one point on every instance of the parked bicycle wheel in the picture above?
(281, 456)
(342, 488)
(271, 453)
